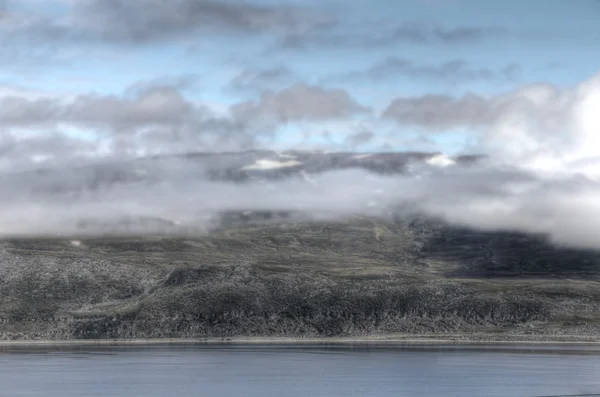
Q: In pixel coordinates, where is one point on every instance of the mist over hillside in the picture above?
(187, 193)
(296, 244)
(190, 189)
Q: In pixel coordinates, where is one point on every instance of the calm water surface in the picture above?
(299, 371)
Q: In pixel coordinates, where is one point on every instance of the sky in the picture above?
(515, 81)
(148, 76)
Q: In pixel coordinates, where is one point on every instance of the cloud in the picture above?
(179, 83)
(539, 125)
(441, 111)
(360, 138)
(38, 150)
(258, 80)
(454, 71)
(173, 193)
(146, 21)
(148, 118)
(142, 21)
(176, 193)
(511, 199)
(542, 173)
(156, 116)
(409, 33)
(17, 111)
(157, 106)
(300, 102)
(120, 114)
(431, 111)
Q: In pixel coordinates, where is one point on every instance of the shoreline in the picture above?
(283, 341)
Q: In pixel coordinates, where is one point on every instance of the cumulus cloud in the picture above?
(539, 101)
(542, 174)
(165, 105)
(127, 115)
(301, 102)
(156, 117)
(154, 107)
(538, 125)
(148, 118)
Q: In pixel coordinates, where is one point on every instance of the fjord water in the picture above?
(264, 371)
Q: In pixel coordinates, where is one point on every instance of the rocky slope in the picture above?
(273, 276)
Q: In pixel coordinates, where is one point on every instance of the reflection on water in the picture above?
(264, 371)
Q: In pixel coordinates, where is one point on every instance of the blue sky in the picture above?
(487, 47)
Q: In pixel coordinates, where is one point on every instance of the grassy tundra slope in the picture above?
(293, 278)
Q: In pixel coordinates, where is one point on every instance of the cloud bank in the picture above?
(541, 174)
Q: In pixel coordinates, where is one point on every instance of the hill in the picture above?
(284, 272)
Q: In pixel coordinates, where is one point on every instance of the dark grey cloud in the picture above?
(145, 21)
(257, 80)
(360, 138)
(300, 102)
(415, 34)
(453, 71)
(149, 20)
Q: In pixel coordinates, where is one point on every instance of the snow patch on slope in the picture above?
(440, 160)
(362, 156)
(266, 164)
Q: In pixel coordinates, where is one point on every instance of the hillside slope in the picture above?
(287, 277)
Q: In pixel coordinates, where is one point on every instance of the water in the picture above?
(264, 371)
